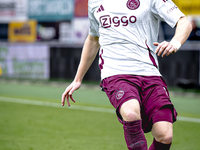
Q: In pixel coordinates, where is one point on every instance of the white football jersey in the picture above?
(127, 30)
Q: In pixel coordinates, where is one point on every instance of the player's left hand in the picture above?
(165, 48)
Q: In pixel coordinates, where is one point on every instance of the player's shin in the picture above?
(134, 135)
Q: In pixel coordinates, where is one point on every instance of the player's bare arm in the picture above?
(182, 32)
(88, 55)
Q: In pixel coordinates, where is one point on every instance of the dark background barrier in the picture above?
(64, 64)
(182, 65)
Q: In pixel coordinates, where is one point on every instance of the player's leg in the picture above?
(130, 110)
(163, 133)
(162, 129)
(123, 92)
(132, 125)
(159, 111)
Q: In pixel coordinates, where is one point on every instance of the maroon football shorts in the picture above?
(150, 91)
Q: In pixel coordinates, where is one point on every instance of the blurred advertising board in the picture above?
(66, 32)
(74, 32)
(51, 10)
(47, 31)
(81, 8)
(13, 10)
(25, 61)
(191, 7)
(22, 31)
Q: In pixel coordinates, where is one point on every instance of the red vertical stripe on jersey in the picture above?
(102, 61)
(150, 56)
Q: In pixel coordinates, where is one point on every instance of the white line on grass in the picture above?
(188, 119)
(78, 107)
(58, 105)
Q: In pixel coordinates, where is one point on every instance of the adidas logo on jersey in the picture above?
(100, 9)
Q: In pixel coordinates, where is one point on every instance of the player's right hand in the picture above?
(69, 91)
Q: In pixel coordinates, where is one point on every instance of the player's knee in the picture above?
(130, 110)
(130, 115)
(165, 138)
(163, 132)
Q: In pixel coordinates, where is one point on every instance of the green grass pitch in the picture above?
(38, 127)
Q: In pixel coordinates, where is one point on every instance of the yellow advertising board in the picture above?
(188, 7)
(22, 31)
(0, 71)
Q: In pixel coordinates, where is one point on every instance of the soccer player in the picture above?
(125, 34)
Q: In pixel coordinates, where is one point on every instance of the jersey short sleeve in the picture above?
(167, 11)
(94, 27)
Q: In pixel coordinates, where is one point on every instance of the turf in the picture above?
(31, 127)
(25, 127)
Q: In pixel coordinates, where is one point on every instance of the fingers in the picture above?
(161, 48)
(68, 103)
(155, 43)
(167, 49)
(72, 98)
(67, 98)
(69, 91)
(63, 99)
(158, 46)
(164, 48)
(66, 95)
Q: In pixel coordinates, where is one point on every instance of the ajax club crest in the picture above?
(133, 4)
(119, 94)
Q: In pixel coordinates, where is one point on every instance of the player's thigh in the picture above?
(162, 131)
(130, 110)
